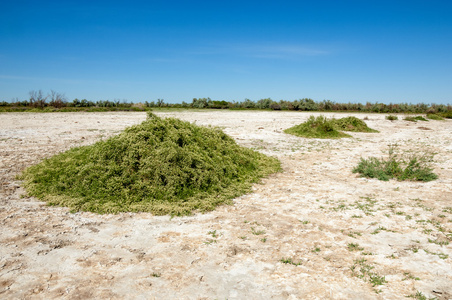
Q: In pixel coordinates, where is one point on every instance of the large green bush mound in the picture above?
(162, 166)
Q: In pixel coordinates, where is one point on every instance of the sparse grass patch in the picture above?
(290, 261)
(414, 167)
(257, 232)
(213, 233)
(366, 206)
(439, 254)
(340, 207)
(354, 247)
(419, 204)
(352, 234)
(391, 118)
(447, 209)
(364, 271)
(439, 242)
(162, 166)
(408, 275)
(415, 249)
(420, 296)
(380, 228)
(210, 241)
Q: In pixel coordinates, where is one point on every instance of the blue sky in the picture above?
(344, 51)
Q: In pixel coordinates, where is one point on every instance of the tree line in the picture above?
(37, 99)
(55, 101)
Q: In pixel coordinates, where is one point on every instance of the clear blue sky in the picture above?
(344, 51)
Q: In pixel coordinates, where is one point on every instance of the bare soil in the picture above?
(313, 231)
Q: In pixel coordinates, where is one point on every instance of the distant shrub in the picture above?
(413, 167)
(421, 118)
(264, 103)
(316, 127)
(415, 119)
(435, 117)
(247, 104)
(306, 104)
(447, 115)
(392, 118)
(162, 166)
(200, 102)
(275, 106)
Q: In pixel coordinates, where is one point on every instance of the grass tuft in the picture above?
(414, 167)
(162, 166)
(289, 261)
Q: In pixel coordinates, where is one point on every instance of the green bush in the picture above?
(162, 166)
(413, 167)
(435, 117)
(319, 127)
(352, 124)
(447, 115)
(324, 128)
(392, 118)
(415, 119)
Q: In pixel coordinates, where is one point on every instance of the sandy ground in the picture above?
(343, 234)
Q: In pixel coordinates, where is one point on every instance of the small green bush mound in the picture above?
(162, 166)
(415, 119)
(435, 117)
(413, 167)
(352, 124)
(317, 127)
(421, 118)
(392, 118)
(447, 115)
(324, 128)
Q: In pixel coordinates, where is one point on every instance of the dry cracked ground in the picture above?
(314, 231)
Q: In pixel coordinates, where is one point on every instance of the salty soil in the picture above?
(313, 231)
